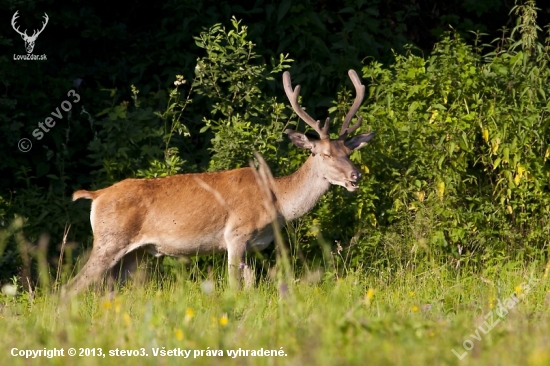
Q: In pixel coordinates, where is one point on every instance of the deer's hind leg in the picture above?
(102, 259)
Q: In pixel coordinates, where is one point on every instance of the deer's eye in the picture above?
(326, 156)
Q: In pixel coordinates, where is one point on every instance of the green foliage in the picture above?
(140, 141)
(463, 136)
(243, 118)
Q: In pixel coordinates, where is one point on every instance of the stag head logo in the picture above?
(29, 40)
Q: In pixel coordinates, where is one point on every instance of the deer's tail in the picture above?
(89, 195)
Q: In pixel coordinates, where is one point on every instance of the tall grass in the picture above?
(409, 318)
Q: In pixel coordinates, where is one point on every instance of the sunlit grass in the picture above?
(412, 319)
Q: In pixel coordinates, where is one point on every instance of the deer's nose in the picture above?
(356, 175)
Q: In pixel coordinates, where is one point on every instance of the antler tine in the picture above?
(360, 94)
(13, 20)
(44, 23)
(292, 95)
(37, 32)
(325, 127)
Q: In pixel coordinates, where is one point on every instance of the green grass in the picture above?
(407, 318)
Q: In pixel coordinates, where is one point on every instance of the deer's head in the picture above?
(29, 40)
(331, 157)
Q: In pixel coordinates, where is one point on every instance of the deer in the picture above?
(215, 212)
(29, 40)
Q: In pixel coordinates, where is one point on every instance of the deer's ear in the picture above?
(358, 141)
(300, 140)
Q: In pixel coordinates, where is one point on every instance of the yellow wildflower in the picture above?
(370, 293)
(440, 189)
(368, 297)
(486, 135)
(224, 321)
(189, 314)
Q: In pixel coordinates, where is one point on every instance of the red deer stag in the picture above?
(194, 214)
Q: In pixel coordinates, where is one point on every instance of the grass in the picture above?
(409, 318)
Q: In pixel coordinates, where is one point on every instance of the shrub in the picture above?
(463, 138)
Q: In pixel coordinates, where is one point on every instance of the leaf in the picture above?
(347, 10)
(434, 116)
(42, 215)
(465, 141)
(542, 92)
(506, 153)
(105, 111)
(412, 108)
(283, 9)
(440, 161)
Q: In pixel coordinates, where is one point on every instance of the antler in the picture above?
(35, 34)
(292, 95)
(360, 91)
(43, 25)
(13, 19)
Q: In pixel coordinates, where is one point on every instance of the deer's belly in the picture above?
(184, 246)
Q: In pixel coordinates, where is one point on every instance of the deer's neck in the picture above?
(299, 192)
